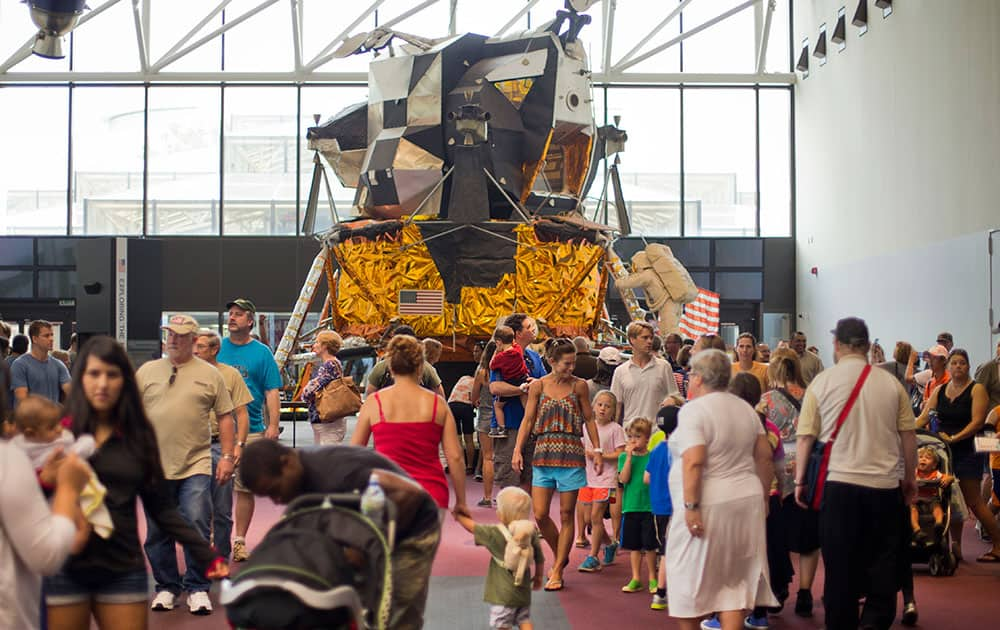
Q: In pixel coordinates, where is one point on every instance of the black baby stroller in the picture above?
(323, 565)
(932, 545)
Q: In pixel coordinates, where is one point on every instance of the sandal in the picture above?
(582, 544)
(990, 557)
(554, 584)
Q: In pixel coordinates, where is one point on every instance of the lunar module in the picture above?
(471, 161)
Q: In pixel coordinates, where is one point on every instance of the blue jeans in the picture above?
(222, 508)
(194, 500)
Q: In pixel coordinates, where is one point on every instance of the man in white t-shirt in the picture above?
(643, 383)
(862, 496)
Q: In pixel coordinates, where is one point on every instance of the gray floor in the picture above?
(458, 603)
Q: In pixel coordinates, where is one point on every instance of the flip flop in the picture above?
(554, 584)
(582, 544)
(989, 557)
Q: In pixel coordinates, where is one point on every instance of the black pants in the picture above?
(859, 533)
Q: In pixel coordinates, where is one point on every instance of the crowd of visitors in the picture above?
(702, 455)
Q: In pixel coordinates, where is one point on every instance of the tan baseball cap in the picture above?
(182, 324)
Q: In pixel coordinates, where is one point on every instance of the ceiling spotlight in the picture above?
(820, 51)
(839, 36)
(861, 17)
(54, 19)
(883, 4)
(803, 63)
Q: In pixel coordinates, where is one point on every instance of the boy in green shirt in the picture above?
(638, 526)
(510, 604)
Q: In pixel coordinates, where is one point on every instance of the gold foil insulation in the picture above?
(560, 281)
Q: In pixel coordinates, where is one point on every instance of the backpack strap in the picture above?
(506, 535)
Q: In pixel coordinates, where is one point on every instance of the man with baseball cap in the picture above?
(863, 497)
(179, 393)
(255, 363)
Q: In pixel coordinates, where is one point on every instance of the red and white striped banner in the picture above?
(701, 317)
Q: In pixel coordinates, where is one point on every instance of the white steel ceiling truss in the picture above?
(317, 70)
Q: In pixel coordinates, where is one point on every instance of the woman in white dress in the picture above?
(716, 549)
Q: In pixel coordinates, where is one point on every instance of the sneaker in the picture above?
(609, 553)
(755, 623)
(163, 601)
(653, 587)
(804, 603)
(712, 623)
(479, 477)
(910, 615)
(633, 586)
(240, 550)
(590, 565)
(659, 603)
(484, 502)
(199, 603)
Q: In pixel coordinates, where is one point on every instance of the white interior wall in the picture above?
(897, 154)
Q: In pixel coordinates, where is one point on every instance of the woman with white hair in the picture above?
(716, 551)
(326, 347)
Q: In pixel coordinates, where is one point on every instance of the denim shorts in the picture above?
(65, 588)
(562, 479)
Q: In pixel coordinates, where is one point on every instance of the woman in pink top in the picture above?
(409, 422)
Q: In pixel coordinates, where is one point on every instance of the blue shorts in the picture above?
(562, 479)
(64, 588)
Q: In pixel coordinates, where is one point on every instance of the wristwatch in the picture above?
(241, 444)
(599, 450)
(691, 506)
(227, 456)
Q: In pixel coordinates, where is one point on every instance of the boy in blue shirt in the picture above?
(657, 471)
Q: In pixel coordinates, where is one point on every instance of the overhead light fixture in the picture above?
(861, 17)
(886, 6)
(820, 51)
(839, 36)
(803, 63)
(54, 19)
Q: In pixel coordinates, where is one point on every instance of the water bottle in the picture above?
(935, 423)
(373, 500)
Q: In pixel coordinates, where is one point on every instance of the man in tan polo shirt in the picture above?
(179, 391)
(811, 363)
(863, 498)
(206, 348)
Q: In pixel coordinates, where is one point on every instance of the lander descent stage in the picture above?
(471, 160)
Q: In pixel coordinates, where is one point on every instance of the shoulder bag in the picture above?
(341, 397)
(819, 457)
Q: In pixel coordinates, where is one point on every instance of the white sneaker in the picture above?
(199, 603)
(163, 601)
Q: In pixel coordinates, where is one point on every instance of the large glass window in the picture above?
(775, 163)
(259, 148)
(107, 160)
(33, 160)
(91, 49)
(633, 21)
(262, 43)
(720, 183)
(183, 163)
(174, 21)
(650, 165)
(325, 102)
(726, 46)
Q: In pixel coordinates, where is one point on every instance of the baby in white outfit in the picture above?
(40, 432)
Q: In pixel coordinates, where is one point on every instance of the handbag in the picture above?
(341, 397)
(819, 457)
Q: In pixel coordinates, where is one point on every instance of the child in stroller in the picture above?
(930, 515)
(930, 481)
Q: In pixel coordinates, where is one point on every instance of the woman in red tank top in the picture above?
(409, 422)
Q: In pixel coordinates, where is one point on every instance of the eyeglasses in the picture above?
(173, 377)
